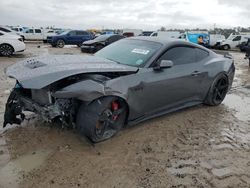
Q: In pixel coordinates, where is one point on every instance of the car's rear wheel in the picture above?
(102, 119)
(6, 50)
(218, 90)
(60, 43)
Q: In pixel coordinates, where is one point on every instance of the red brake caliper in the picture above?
(114, 107)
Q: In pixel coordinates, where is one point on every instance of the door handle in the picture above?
(196, 73)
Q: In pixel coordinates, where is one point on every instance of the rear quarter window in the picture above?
(180, 55)
(201, 54)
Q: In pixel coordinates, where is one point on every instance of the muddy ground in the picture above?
(197, 147)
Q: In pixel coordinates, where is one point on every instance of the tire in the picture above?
(226, 47)
(218, 90)
(6, 50)
(60, 43)
(99, 121)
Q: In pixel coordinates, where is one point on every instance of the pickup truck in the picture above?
(37, 34)
(72, 37)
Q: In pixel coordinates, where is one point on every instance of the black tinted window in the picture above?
(38, 31)
(30, 31)
(180, 55)
(114, 38)
(201, 54)
(238, 38)
(81, 33)
(5, 30)
(72, 33)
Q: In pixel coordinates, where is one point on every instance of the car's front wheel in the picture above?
(102, 118)
(217, 91)
(60, 43)
(6, 50)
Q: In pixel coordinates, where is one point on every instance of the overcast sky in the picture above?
(144, 14)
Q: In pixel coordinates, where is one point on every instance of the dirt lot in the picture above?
(196, 147)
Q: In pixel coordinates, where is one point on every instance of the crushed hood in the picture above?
(36, 73)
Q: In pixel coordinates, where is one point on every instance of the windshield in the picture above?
(64, 33)
(102, 37)
(130, 52)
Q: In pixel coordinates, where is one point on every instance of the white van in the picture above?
(214, 38)
(233, 41)
(166, 34)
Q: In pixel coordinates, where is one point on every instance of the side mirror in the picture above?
(164, 64)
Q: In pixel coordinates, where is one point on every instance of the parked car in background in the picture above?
(98, 43)
(8, 30)
(243, 45)
(166, 34)
(72, 37)
(196, 37)
(33, 34)
(146, 33)
(49, 33)
(128, 34)
(131, 32)
(233, 41)
(127, 82)
(10, 44)
(214, 38)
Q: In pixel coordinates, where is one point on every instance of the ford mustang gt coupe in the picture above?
(129, 81)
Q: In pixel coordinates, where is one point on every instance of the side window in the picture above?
(72, 33)
(80, 33)
(113, 38)
(30, 31)
(38, 31)
(180, 55)
(238, 38)
(201, 54)
(154, 34)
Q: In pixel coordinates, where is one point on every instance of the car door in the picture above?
(71, 37)
(236, 41)
(38, 34)
(173, 87)
(29, 34)
(83, 36)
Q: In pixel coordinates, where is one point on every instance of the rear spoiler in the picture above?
(228, 55)
(223, 53)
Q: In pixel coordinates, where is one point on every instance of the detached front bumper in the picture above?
(18, 103)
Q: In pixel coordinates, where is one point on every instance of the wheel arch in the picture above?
(9, 45)
(119, 97)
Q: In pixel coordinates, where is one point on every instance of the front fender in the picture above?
(86, 90)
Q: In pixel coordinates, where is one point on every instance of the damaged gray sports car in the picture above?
(125, 83)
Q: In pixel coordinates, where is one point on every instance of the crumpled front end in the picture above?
(40, 102)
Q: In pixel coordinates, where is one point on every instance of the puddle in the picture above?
(240, 105)
(11, 174)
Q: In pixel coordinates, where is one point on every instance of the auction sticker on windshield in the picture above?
(140, 51)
